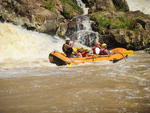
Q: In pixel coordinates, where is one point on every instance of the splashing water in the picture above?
(82, 5)
(84, 32)
(104, 87)
(142, 5)
(20, 44)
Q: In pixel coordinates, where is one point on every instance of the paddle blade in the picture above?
(129, 52)
(69, 65)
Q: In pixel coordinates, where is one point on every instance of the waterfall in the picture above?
(82, 5)
(83, 32)
(19, 43)
(142, 5)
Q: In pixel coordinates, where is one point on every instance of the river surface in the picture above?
(101, 87)
(30, 84)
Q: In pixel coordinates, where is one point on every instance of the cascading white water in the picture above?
(18, 43)
(85, 34)
(82, 5)
(142, 5)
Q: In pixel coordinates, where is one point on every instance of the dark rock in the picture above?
(32, 15)
(72, 27)
(107, 5)
(62, 29)
(121, 5)
(147, 50)
(123, 29)
(141, 22)
(94, 26)
(2, 19)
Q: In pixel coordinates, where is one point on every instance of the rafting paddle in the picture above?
(128, 52)
(69, 65)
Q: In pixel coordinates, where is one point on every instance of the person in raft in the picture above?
(80, 52)
(104, 50)
(77, 52)
(68, 47)
(97, 48)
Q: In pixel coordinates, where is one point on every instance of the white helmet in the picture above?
(68, 39)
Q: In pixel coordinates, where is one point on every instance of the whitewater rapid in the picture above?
(20, 48)
(30, 85)
(19, 43)
(142, 5)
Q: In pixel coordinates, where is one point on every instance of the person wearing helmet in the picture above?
(97, 48)
(104, 50)
(85, 52)
(67, 48)
(77, 52)
(81, 52)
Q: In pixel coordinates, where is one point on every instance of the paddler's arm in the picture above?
(108, 52)
(68, 46)
(73, 43)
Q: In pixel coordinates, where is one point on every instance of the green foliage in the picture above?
(102, 21)
(50, 5)
(70, 8)
(114, 23)
(67, 13)
(72, 3)
(123, 23)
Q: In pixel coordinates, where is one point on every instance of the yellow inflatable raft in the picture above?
(61, 59)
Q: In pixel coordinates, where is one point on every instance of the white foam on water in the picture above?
(142, 5)
(21, 47)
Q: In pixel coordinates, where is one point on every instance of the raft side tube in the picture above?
(60, 58)
(53, 59)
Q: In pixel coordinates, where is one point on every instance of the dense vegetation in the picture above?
(70, 7)
(119, 22)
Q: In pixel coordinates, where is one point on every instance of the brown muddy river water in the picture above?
(104, 87)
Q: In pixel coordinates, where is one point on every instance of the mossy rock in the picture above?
(116, 22)
(121, 5)
(71, 9)
(50, 5)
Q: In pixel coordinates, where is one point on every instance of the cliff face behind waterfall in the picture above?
(117, 21)
(118, 25)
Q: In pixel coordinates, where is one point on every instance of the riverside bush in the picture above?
(70, 7)
(72, 3)
(123, 23)
(50, 5)
(114, 23)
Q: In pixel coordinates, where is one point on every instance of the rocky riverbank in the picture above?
(116, 25)
(41, 15)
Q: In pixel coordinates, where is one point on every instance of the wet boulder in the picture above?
(147, 50)
(121, 5)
